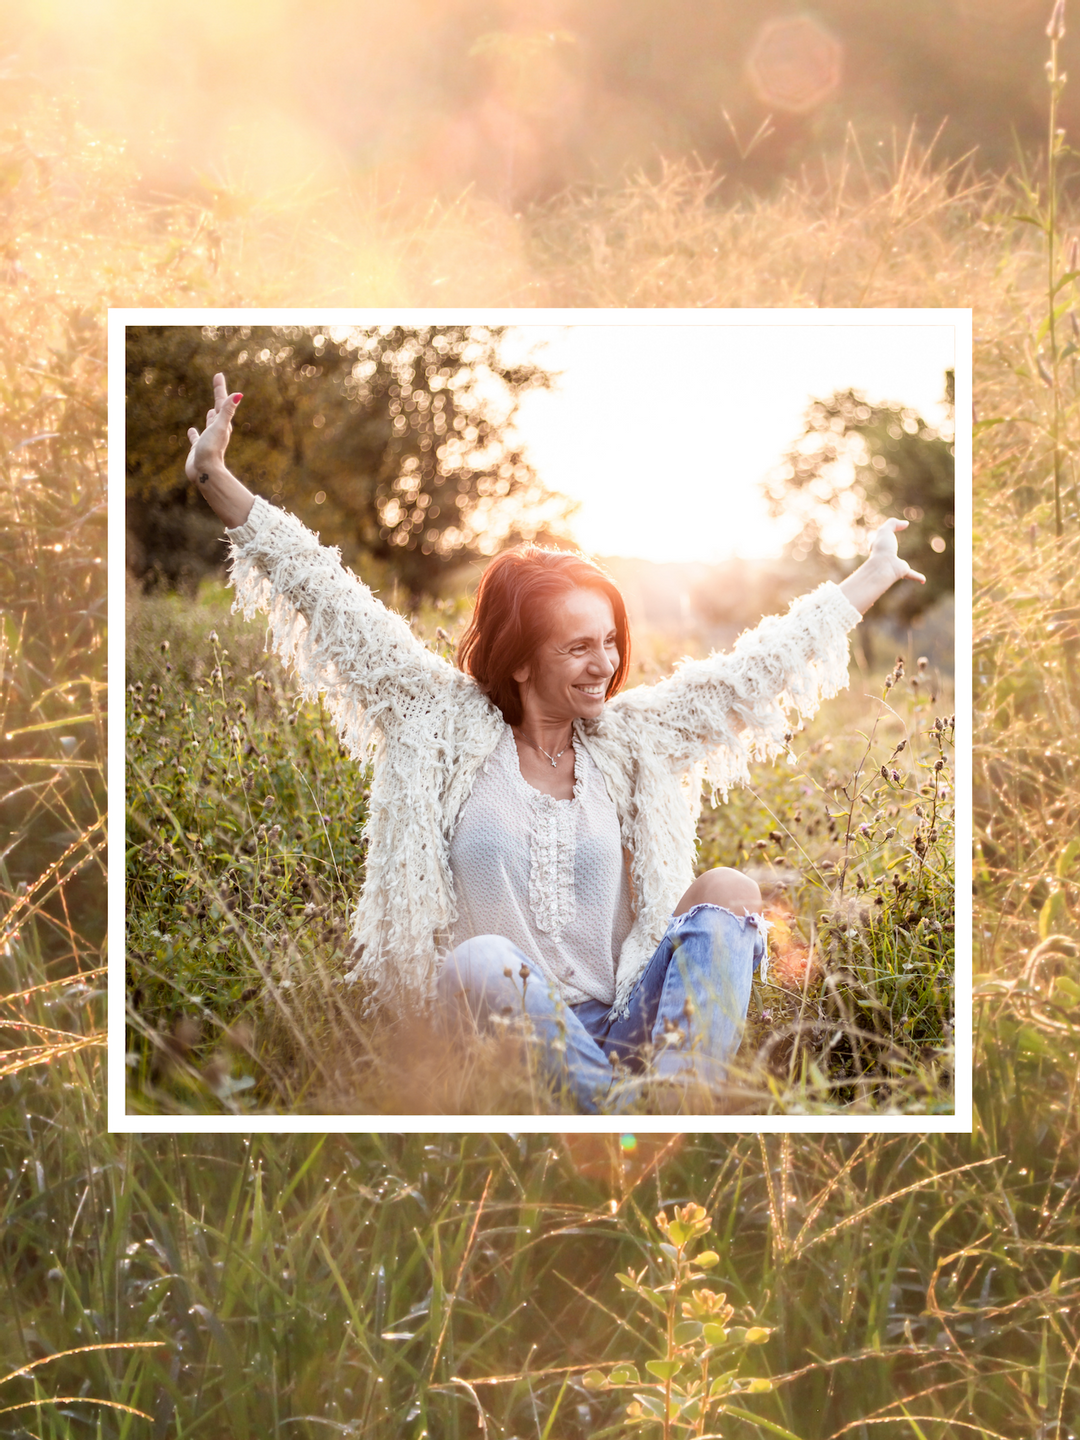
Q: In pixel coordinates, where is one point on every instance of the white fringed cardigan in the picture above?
(431, 728)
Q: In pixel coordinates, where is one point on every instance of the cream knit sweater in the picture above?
(431, 728)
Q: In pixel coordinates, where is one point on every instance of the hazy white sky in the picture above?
(664, 430)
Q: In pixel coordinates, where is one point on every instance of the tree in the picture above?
(395, 442)
(856, 463)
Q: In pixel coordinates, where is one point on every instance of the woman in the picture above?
(531, 834)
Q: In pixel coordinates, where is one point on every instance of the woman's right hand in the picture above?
(207, 453)
(227, 496)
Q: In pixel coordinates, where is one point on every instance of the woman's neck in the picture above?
(550, 737)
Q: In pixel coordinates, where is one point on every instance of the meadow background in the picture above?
(375, 1284)
(244, 859)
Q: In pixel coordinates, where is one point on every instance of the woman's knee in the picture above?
(723, 886)
(480, 966)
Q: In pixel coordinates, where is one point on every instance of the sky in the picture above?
(664, 430)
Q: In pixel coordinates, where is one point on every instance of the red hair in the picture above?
(512, 618)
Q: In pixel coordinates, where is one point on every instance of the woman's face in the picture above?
(567, 678)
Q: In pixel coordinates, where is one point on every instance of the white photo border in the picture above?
(120, 1120)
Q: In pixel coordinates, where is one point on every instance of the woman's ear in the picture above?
(522, 675)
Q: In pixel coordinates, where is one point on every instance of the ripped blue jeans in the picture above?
(685, 1016)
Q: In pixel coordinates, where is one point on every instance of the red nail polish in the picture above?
(236, 399)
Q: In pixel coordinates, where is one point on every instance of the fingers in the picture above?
(221, 392)
(914, 575)
(192, 434)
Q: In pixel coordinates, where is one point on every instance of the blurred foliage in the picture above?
(857, 463)
(394, 443)
(520, 101)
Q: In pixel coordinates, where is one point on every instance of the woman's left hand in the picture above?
(881, 569)
(885, 552)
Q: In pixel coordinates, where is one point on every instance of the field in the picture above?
(212, 1285)
(244, 858)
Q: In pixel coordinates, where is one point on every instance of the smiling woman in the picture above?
(530, 841)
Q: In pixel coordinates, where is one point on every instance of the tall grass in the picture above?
(244, 858)
(389, 1285)
(917, 1285)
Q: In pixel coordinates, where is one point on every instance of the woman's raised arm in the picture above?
(324, 621)
(728, 709)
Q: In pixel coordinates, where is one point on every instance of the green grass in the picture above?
(244, 859)
(391, 1285)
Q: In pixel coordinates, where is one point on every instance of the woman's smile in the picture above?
(569, 674)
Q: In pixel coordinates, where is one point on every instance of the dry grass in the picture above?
(892, 228)
(282, 1284)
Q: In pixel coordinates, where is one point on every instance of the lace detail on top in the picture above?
(546, 874)
(552, 852)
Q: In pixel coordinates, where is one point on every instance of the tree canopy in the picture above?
(395, 442)
(856, 463)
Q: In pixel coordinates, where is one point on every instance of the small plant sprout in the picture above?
(695, 1375)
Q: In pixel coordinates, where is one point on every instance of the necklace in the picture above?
(554, 759)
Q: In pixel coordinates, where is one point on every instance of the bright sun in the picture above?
(664, 429)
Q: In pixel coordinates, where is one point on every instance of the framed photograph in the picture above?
(532, 714)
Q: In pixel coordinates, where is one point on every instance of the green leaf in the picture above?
(759, 1386)
(679, 1233)
(654, 1299)
(716, 1334)
(1052, 913)
(687, 1331)
(760, 1421)
(1067, 859)
(757, 1335)
(663, 1369)
(624, 1375)
(653, 1403)
(707, 1259)
(1034, 1042)
(594, 1380)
